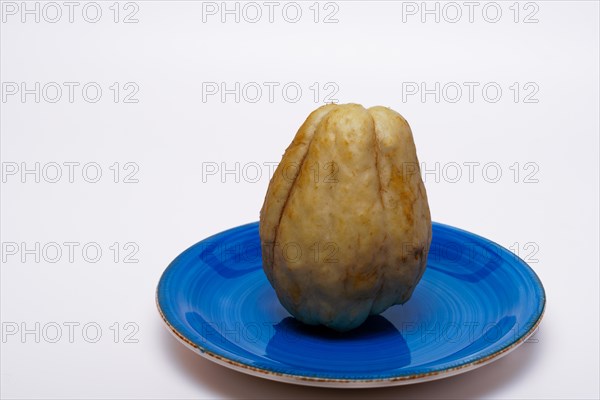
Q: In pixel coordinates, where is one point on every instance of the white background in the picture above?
(171, 134)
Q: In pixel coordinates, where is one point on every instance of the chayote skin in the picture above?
(345, 227)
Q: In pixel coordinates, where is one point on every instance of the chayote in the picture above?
(345, 227)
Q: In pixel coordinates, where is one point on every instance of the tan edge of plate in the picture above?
(348, 383)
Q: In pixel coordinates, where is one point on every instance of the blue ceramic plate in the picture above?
(476, 302)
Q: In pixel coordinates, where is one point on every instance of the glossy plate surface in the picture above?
(475, 303)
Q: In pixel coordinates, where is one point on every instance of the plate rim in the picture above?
(308, 380)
